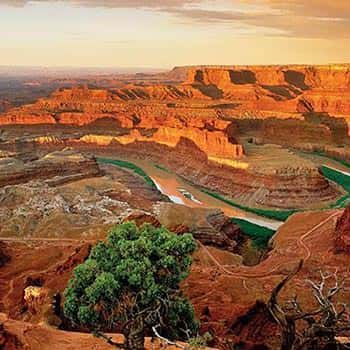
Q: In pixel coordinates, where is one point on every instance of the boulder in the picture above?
(209, 226)
(43, 303)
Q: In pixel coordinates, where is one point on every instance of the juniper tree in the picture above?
(130, 283)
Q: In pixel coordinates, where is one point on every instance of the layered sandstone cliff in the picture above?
(300, 76)
(291, 89)
(214, 144)
(280, 88)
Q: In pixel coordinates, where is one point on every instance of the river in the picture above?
(181, 192)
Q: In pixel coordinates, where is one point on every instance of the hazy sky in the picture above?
(165, 33)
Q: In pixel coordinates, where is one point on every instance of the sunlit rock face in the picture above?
(214, 144)
(301, 76)
(279, 88)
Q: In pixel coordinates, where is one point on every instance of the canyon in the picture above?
(223, 111)
(230, 141)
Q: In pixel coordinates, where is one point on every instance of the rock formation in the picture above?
(4, 258)
(9, 340)
(60, 167)
(208, 125)
(231, 129)
(209, 226)
(43, 304)
(79, 208)
(281, 88)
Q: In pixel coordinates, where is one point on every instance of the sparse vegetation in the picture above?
(319, 327)
(131, 282)
(325, 155)
(336, 176)
(200, 341)
(162, 168)
(280, 215)
(130, 166)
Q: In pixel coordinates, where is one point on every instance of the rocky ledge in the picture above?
(54, 168)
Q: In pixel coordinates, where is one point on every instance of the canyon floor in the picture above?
(190, 150)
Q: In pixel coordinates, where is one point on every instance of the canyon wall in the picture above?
(287, 188)
(300, 88)
(302, 77)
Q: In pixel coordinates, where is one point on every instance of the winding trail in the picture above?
(300, 243)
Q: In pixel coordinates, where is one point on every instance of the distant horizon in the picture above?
(171, 67)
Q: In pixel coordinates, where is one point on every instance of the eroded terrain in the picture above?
(158, 149)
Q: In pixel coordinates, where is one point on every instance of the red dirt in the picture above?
(342, 233)
(223, 291)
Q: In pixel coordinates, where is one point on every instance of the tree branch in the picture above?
(169, 342)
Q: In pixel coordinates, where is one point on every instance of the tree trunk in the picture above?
(288, 336)
(134, 338)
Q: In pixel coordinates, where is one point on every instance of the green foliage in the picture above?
(127, 165)
(336, 176)
(260, 235)
(323, 154)
(280, 215)
(134, 274)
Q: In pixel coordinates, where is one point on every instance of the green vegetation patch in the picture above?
(130, 166)
(342, 180)
(259, 235)
(325, 155)
(280, 215)
(336, 176)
